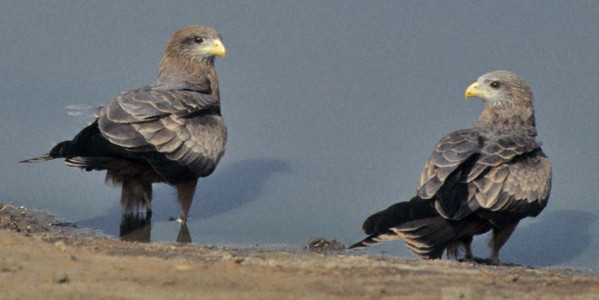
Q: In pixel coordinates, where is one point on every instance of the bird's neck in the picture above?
(504, 118)
(177, 73)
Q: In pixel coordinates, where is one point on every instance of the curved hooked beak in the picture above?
(474, 91)
(217, 48)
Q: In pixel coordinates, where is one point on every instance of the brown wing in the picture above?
(449, 154)
(506, 174)
(519, 182)
(144, 105)
(180, 133)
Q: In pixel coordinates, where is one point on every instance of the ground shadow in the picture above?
(550, 239)
(234, 187)
(230, 187)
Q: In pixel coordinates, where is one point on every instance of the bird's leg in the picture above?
(468, 249)
(147, 195)
(500, 236)
(136, 194)
(185, 191)
(465, 242)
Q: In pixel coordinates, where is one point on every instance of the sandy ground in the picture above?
(43, 261)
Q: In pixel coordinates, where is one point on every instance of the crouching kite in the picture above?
(485, 178)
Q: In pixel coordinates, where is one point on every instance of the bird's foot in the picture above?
(178, 220)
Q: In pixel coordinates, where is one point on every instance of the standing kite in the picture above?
(479, 179)
(171, 131)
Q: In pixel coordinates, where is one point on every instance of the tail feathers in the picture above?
(374, 239)
(370, 225)
(89, 163)
(428, 228)
(75, 156)
(425, 232)
(44, 157)
(88, 150)
(427, 237)
(58, 151)
(398, 214)
(61, 150)
(425, 251)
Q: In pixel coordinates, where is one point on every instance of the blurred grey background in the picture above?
(332, 108)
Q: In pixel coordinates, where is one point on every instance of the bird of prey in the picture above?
(171, 131)
(485, 178)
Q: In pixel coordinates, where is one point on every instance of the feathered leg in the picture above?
(136, 194)
(185, 192)
(500, 236)
(454, 248)
(468, 251)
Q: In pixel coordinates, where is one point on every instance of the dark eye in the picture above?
(495, 84)
(198, 39)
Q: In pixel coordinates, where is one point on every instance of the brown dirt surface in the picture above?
(43, 261)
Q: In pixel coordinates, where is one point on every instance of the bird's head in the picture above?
(195, 43)
(499, 88)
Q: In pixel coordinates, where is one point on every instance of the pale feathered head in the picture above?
(499, 88)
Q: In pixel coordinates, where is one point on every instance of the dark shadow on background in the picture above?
(109, 222)
(230, 187)
(235, 186)
(554, 238)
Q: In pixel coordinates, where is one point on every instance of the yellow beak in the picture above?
(217, 48)
(473, 91)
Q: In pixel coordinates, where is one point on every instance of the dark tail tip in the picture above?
(358, 245)
(373, 239)
(44, 157)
